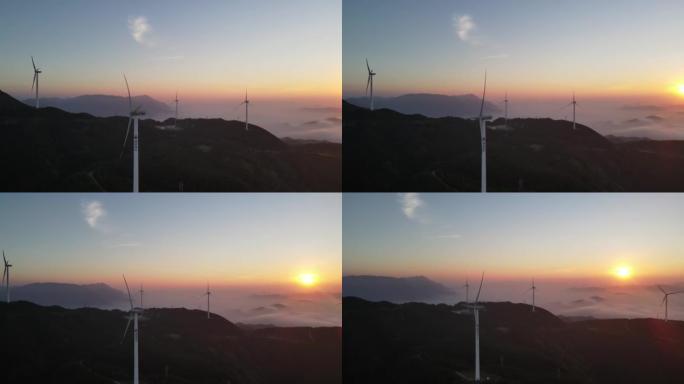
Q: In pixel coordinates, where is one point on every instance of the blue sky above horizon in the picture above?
(172, 240)
(533, 49)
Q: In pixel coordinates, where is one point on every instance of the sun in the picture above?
(680, 88)
(307, 279)
(623, 272)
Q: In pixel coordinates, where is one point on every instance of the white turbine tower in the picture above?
(208, 294)
(467, 287)
(36, 73)
(666, 295)
(533, 288)
(246, 103)
(483, 135)
(5, 275)
(133, 116)
(370, 84)
(476, 314)
(175, 120)
(133, 315)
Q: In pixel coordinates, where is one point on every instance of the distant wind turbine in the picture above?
(141, 296)
(133, 116)
(370, 84)
(246, 103)
(467, 286)
(666, 295)
(476, 314)
(133, 315)
(574, 106)
(175, 120)
(36, 73)
(533, 288)
(483, 135)
(208, 294)
(6, 275)
(506, 110)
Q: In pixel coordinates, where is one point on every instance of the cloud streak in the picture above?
(465, 25)
(410, 202)
(140, 29)
(93, 211)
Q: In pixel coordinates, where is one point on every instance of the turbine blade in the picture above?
(3, 257)
(662, 290)
(4, 271)
(35, 75)
(123, 147)
(128, 325)
(130, 101)
(477, 298)
(34, 64)
(368, 83)
(368, 66)
(663, 301)
(130, 299)
(484, 91)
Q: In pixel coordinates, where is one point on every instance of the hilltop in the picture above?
(394, 289)
(103, 105)
(52, 150)
(53, 344)
(389, 151)
(430, 104)
(425, 343)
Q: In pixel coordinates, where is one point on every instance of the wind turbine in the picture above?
(133, 116)
(5, 275)
(476, 314)
(483, 134)
(370, 84)
(574, 106)
(506, 110)
(533, 288)
(175, 121)
(467, 286)
(666, 296)
(141, 296)
(246, 103)
(208, 293)
(134, 312)
(36, 72)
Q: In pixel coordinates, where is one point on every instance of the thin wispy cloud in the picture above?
(465, 25)
(410, 203)
(500, 56)
(140, 29)
(446, 236)
(93, 212)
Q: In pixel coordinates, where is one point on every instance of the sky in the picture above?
(248, 247)
(573, 245)
(613, 57)
(288, 54)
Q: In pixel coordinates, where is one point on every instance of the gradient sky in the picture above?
(580, 237)
(533, 49)
(251, 241)
(206, 49)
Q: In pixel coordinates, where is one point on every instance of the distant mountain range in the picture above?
(51, 150)
(385, 150)
(53, 344)
(425, 343)
(394, 289)
(69, 295)
(104, 105)
(430, 105)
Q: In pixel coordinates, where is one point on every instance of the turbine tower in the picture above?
(666, 295)
(133, 315)
(246, 103)
(476, 314)
(175, 121)
(133, 116)
(506, 110)
(370, 84)
(5, 275)
(467, 286)
(533, 288)
(36, 72)
(574, 106)
(483, 134)
(208, 294)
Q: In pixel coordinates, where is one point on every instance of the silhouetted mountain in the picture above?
(430, 105)
(385, 150)
(52, 150)
(394, 289)
(103, 105)
(424, 343)
(69, 295)
(52, 344)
